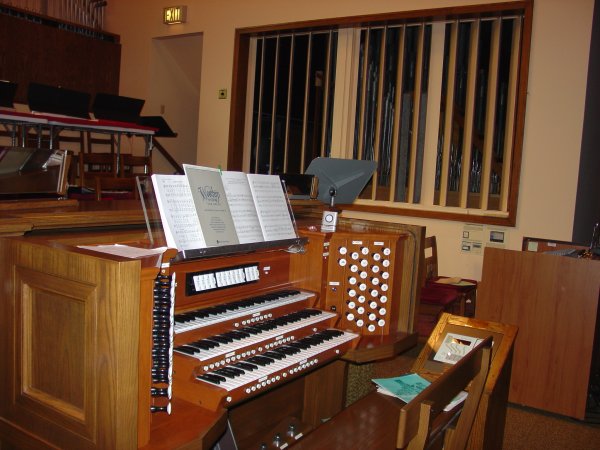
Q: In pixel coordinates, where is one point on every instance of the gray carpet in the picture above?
(530, 429)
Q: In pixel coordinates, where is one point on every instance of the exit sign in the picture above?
(174, 14)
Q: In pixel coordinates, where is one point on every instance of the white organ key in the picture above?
(290, 364)
(223, 349)
(240, 312)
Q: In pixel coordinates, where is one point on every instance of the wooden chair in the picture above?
(74, 137)
(433, 300)
(423, 421)
(116, 188)
(133, 166)
(94, 165)
(465, 289)
(95, 139)
(442, 294)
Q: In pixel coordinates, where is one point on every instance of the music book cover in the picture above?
(211, 204)
(407, 387)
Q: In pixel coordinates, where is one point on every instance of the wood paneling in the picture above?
(33, 52)
(70, 383)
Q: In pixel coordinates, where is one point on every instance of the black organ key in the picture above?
(234, 371)
(220, 339)
(212, 378)
(274, 355)
(227, 373)
(228, 307)
(331, 333)
(187, 349)
(282, 351)
(245, 365)
(260, 360)
(203, 344)
(252, 330)
(300, 345)
(288, 350)
(238, 334)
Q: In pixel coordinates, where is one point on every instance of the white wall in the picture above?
(555, 104)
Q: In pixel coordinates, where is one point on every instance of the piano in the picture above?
(160, 351)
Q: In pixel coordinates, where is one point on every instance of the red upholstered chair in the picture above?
(463, 287)
(437, 295)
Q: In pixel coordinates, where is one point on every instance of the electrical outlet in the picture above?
(222, 94)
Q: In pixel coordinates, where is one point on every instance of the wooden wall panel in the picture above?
(34, 52)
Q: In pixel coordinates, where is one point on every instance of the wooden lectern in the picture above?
(554, 301)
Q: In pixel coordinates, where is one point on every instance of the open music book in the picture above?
(207, 207)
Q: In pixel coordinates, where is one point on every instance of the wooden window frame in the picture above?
(240, 85)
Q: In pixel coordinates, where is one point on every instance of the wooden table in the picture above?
(20, 216)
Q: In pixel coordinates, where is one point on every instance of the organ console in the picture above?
(161, 351)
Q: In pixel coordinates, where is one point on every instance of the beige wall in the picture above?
(556, 95)
(174, 93)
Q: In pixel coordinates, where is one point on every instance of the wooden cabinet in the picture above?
(69, 326)
(554, 302)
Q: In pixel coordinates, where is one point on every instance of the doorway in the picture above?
(174, 94)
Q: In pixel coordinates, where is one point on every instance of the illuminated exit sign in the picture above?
(174, 14)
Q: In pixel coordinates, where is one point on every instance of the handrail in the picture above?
(163, 151)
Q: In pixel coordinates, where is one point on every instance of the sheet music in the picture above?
(178, 212)
(454, 347)
(241, 204)
(272, 207)
(124, 250)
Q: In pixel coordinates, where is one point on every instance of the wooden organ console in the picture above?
(100, 351)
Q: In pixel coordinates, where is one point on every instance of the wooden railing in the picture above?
(163, 151)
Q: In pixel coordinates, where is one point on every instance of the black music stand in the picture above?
(7, 94)
(117, 107)
(162, 127)
(43, 98)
